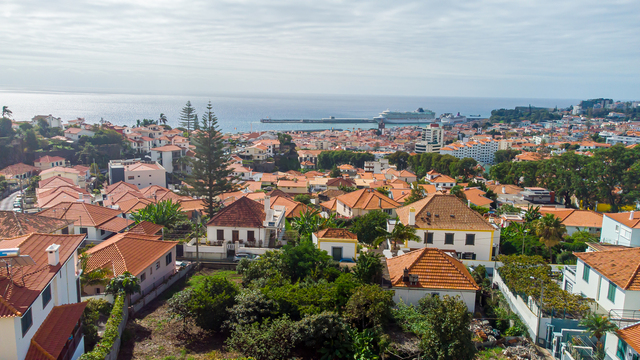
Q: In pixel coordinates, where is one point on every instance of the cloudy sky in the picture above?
(500, 48)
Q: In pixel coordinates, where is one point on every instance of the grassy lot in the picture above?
(152, 334)
(491, 354)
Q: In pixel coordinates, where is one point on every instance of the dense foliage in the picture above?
(370, 226)
(103, 347)
(329, 159)
(444, 164)
(520, 114)
(165, 213)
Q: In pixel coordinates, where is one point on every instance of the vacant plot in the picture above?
(152, 334)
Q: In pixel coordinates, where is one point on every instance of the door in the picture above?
(235, 235)
(336, 253)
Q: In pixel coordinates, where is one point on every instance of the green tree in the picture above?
(269, 340)
(5, 128)
(598, 325)
(368, 267)
(383, 191)
(210, 302)
(162, 119)
(126, 283)
(188, 117)
(98, 276)
(335, 172)
(416, 194)
(31, 141)
(550, 230)
(303, 198)
(532, 214)
(165, 213)
(368, 227)
(310, 221)
(400, 159)
(447, 335)
(305, 259)
(400, 234)
(369, 306)
(209, 166)
(6, 113)
(458, 191)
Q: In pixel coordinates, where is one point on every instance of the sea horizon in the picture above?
(241, 112)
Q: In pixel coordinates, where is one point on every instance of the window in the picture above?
(83, 230)
(65, 231)
(622, 349)
(220, 235)
(448, 239)
(26, 321)
(612, 292)
(102, 232)
(585, 273)
(143, 277)
(251, 235)
(617, 228)
(168, 258)
(97, 291)
(428, 238)
(158, 265)
(130, 177)
(46, 296)
(470, 240)
(336, 253)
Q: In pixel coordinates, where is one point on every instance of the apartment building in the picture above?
(432, 140)
(483, 151)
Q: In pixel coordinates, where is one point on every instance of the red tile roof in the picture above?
(14, 224)
(630, 335)
(115, 225)
(17, 169)
(128, 252)
(332, 233)
(82, 214)
(620, 266)
(55, 181)
(49, 159)
(20, 294)
(368, 199)
(435, 270)
(243, 212)
(625, 219)
(53, 334)
(578, 218)
(435, 212)
(167, 148)
(146, 228)
(118, 187)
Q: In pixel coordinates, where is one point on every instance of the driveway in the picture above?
(7, 203)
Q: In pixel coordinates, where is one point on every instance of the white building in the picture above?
(169, 157)
(49, 119)
(623, 344)
(626, 140)
(432, 140)
(75, 133)
(621, 229)
(447, 223)
(47, 162)
(361, 202)
(339, 243)
(483, 151)
(430, 271)
(137, 172)
(376, 167)
(40, 313)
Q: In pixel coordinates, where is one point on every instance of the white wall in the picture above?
(482, 246)
(598, 289)
(93, 235)
(349, 250)
(611, 347)
(158, 274)
(411, 296)
(144, 178)
(258, 233)
(624, 235)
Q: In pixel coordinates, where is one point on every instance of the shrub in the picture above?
(210, 301)
(269, 340)
(369, 306)
(321, 330)
(103, 347)
(251, 306)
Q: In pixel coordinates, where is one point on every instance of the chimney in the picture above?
(53, 254)
(412, 217)
(631, 215)
(504, 190)
(267, 204)
(79, 196)
(379, 202)
(469, 203)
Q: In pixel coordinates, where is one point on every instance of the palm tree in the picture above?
(311, 221)
(532, 214)
(99, 276)
(6, 112)
(163, 119)
(126, 284)
(598, 325)
(550, 229)
(400, 233)
(165, 213)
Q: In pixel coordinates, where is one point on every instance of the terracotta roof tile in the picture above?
(625, 219)
(18, 299)
(435, 210)
(53, 334)
(115, 225)
(578, 218)
(620, 266)
(435, 270)
(119, 186)
(476, 196)
(131, 205)
(331, 205)
(146, 228)
(341, 181)
(128, 252)
(14, 224)
(55, 181)
(332, 233)
(367, 199)
(630, 335)
(17, 169)
(82, 214)
(243, 212)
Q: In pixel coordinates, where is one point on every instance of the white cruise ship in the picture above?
(420, 116)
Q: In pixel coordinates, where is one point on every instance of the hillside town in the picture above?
(510, 237)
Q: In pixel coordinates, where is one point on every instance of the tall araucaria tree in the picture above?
(209, 166)
(188, 117)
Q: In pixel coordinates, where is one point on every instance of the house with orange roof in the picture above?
(361, 202)
(147, 257)
(294, 186)
(430, 271)
(47, 162)
(621, 228)
(14, 224)
(255, 152)
(623, 343)
(576, 220)
(168, 156)
(97, 222)
(138, 173)
(448, 223)
(78, 177)
(477, 198)
(48, 197)
(74, 133)
(40, 308)
(440, 181)
(17, 172)
(339, 243)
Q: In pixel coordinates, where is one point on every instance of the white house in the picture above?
(621, 229)
(623, 344)
(363, 201)
(75, 133)
(49, 119)
(122, 253)
(441, 182)
(47, 162)
(339, 243)
(447, 223)
(430, 271)
(577, 220)
(40, 313)
(608, 277)
(168, 157)
(245, 223)
(137, 172)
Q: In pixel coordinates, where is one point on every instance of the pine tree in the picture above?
(209, 166)
(188, 117)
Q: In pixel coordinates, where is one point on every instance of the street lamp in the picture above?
(539, 308)
(524, 232)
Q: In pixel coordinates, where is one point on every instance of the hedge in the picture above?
(103, 347)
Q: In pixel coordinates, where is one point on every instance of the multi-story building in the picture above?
(169, 157)
(626, 140)
(621, 229)
(40, 307)
(137, 172)
(483, 151)
(432, 140)
(49, 119)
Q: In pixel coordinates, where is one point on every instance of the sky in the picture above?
(494, 48)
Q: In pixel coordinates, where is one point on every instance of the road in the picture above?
(7, 204)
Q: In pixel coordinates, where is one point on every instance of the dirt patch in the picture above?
(152, 334)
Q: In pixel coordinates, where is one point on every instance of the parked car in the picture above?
(248, 256)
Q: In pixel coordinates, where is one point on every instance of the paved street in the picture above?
(7, 204)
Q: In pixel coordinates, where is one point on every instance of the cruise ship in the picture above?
(420, 116)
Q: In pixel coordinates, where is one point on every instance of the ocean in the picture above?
(242, 112)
